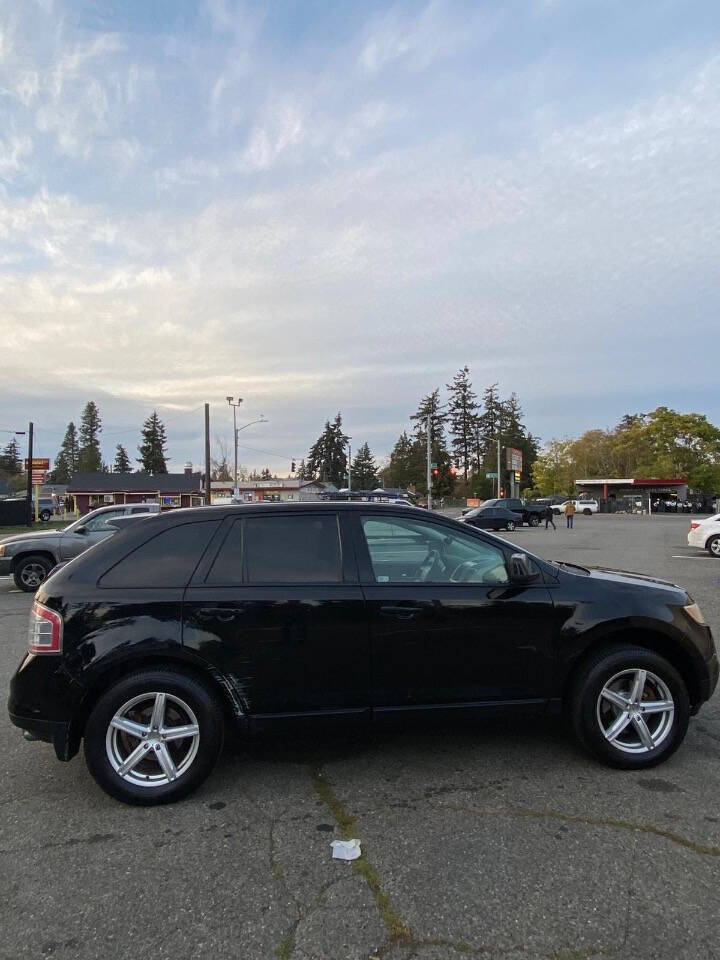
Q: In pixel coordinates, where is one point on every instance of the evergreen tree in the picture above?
(66, 461)
(10, 461)
(122, 461)
(266, 474)
(463, 417)
(444, 481)
(89, 458)
(487, 429)
(301, 473)
(152, 449)
(364, 470)
(403, 469)
(327, 459)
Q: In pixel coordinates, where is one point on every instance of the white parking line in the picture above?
(688, 556)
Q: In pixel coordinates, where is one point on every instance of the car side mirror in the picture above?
(81, 529)
(521, 569)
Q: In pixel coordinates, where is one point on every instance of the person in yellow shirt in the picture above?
(569, 513)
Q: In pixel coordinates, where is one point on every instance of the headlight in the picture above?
(2, 549)
(693, 610)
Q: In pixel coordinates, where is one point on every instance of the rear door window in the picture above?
(280, 549)
(166, 560)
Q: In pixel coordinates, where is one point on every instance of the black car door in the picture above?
(448, 627)
(278, 607)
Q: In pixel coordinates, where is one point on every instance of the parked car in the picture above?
(586, 507)
(706, 535)
(492, 518)
(144, 648)
(530, 512)
(29, 557)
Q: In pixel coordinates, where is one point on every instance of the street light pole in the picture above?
(349, 466)
(429, 464)
(236, 491)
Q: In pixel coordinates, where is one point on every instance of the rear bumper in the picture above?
(49, 731)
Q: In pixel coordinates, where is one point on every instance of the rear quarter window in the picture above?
(166, 560)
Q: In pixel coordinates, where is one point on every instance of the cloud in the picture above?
(345, 223)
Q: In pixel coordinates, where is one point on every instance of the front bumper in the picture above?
(5, 566)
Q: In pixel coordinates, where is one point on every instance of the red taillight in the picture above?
(693, 525)
(45, 630)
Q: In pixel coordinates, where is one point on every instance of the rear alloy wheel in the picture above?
(534, 522)
(713, 546)
(587, 513)
(510, 525)
(154, 737)
(30, 572)
(630, 707)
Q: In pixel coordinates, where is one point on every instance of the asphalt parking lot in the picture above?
(488, 839)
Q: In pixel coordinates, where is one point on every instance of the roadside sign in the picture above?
(38, 463)
(38, 477)
(518, 476)
(433, 466)
(514, 459)
(491, 476)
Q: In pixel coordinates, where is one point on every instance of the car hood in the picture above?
(629, 577)
(30, 535)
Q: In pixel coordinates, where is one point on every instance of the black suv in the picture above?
(153, 642)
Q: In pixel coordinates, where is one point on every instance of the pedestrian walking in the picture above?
(548, 514)
(570, 513)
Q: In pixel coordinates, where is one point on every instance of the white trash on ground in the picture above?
(346, 849)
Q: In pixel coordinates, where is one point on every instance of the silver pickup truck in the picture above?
(29, 557)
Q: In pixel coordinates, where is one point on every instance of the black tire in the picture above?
(534, 522)
(182, 688)
(510, 526)
(45, 515)
(713, 547)
(30, 571)
(585, 712)
(557, 512)
(587, 513)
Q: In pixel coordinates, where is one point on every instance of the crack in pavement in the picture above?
(706, 850)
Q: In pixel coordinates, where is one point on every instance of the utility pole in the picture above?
(29, 476)
(236, 490)
(349, 468)
(207, 456)
(498, 464)
(429, 462)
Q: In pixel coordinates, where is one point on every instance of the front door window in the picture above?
(411, 551)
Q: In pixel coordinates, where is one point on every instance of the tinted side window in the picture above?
(167, 560)
(292, 549)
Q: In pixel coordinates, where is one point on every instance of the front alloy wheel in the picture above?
(154, 736)
(510, 525)
(635, 711)
(629, 707)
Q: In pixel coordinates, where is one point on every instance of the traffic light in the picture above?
(435, 472)
(292, 467)
(453, 471)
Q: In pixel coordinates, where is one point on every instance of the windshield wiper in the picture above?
(575, 566)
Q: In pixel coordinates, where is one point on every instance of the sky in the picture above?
(323, 206)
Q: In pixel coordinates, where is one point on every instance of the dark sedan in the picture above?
(493, 518)
(147, 647)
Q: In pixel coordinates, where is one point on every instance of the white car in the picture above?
(581, 506)
(706, 535)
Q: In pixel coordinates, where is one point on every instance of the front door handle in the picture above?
(400, 613)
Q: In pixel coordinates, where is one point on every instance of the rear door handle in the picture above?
(400, 613)
(221, 614)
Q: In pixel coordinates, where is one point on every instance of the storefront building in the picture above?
(170, 490)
